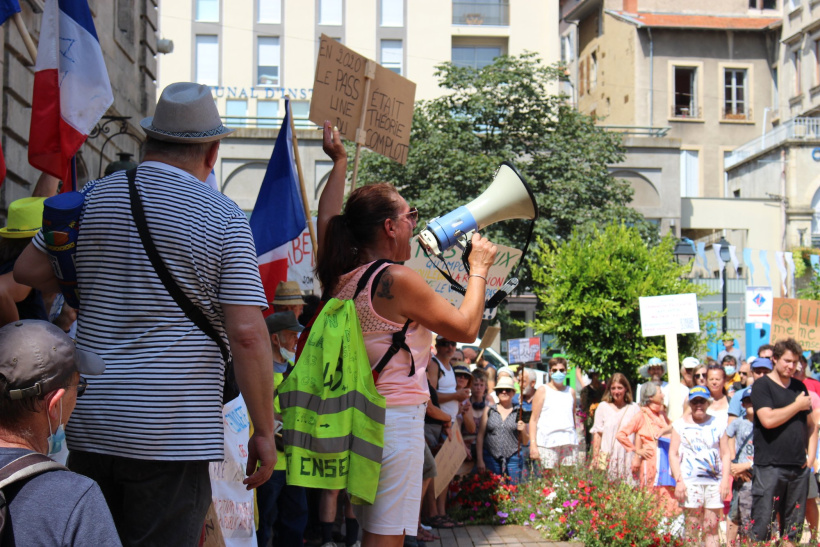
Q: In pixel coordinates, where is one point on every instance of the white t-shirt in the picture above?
(700, 450)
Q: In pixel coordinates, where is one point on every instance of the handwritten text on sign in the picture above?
(798, 319)
(505, 260)
(669, 314)
(339, 96)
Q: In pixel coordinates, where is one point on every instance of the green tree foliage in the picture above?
(507, 111)
(588, 288)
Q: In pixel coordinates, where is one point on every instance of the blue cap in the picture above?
(699, 391)
(762, 362)
(747, 393)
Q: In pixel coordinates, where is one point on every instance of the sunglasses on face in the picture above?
(446, 343)
(505, 390)
(413, 214)
(744, 373)
(81, 386)
(557, 370)
(701, 375)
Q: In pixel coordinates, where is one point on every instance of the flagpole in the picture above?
(369, 75)
(21, 27)
(301, 177)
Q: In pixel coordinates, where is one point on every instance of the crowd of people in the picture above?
(139, 442)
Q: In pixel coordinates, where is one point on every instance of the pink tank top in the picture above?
(394, 383)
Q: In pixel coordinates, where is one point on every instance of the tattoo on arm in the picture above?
(385, 284)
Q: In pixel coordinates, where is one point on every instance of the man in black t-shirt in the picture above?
(784, 437)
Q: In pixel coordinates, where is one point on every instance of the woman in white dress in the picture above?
(616, 409)
(552, 424)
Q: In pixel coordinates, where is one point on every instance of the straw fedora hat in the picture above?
(186, 112)
(24, 219)
(288, 293)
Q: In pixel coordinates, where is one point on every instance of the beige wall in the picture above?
(750, 223)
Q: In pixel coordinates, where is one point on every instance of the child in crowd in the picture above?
(738, 471)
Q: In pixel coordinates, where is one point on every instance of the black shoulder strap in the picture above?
(27, 466)
(399, 338)
(190, 309)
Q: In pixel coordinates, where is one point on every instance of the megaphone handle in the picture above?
(468, 248)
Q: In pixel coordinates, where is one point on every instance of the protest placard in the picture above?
(232, 502)
(383, 109)
(211, 531)
(448, 460)
(523, 350)
(505, 260)
(302, 260)
(798, 319)
(669, 314)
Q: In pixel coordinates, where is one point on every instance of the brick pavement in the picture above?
(486, 536)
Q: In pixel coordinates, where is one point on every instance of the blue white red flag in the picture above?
(71, 87)
(278, 216)
(7, 9)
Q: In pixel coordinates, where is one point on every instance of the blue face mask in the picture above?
(730, 371)
(558, 377)
(57, 439)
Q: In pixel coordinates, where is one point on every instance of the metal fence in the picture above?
(796, 128)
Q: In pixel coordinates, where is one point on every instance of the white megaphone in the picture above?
(509, 196)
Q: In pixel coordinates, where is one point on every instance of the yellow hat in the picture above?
(24, 219)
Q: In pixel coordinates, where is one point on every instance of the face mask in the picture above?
(730, 371)
(558, 377)
(287, 355)
(57, 446)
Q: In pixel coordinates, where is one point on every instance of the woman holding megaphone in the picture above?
(377, 223)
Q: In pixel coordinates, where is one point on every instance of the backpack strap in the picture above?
(368, 273)
(26, 467)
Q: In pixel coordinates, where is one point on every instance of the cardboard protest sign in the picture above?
(211, 531)
(302, 260)
(338, 89)
(339, 96)
(449, 459)
(505, 260)
(232, 502)
(798, 319)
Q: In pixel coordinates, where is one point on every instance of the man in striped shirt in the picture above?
(153, 420)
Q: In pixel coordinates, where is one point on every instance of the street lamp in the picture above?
(684, 251)
(725, 256)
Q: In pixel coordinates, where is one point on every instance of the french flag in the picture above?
(278, 216)
(71, 88)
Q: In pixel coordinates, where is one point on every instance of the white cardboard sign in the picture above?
(669, 314)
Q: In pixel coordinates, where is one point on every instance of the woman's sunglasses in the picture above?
(701, 375)
(505, 390)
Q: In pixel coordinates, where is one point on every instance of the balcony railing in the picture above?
(733, 114)
(796, 128)
(686, 112)
(482, 13)
(264, 123)
(637, 130)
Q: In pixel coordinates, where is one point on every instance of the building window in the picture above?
(482, 12)
(330, 12)
(475, 56)
(817, 62)
(795, 55)
(301, 111)
(392, 55)
(689, 174)
(207, 59)
(270, 12)
(207, 11)
(269, 110)
(268, 61)
(762, 4)
(735, 102)
(686, 92)
(236, 111)
(392, 13)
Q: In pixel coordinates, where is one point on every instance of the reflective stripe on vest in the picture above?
(333, 416)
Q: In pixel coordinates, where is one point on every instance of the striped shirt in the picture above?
(160, 396)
